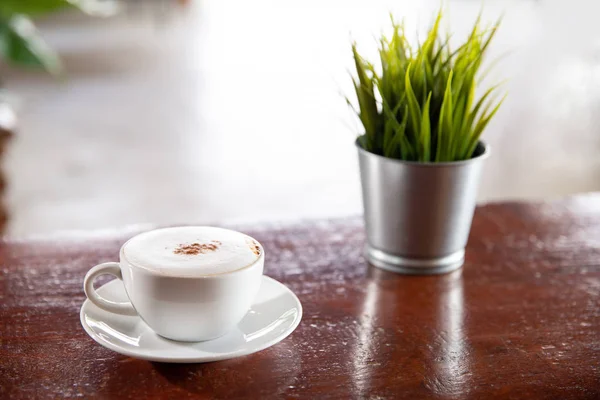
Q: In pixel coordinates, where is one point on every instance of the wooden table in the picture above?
(521, 320)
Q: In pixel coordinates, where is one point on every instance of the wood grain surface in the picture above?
(521, 320)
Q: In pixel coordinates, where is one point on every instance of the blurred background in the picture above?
(223, 111)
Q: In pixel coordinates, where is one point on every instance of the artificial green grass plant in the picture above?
(420, 105)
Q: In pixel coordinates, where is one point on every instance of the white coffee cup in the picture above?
(182, 303)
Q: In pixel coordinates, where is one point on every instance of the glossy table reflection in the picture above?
(521, 320)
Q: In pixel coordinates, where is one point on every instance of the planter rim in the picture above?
(429, 164)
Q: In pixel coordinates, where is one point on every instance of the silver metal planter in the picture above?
(418, 215)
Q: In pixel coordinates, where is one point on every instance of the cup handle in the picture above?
(109, 268)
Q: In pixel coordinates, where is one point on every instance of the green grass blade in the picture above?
(441, 135)
(473, 114)
(414, 110)
(447, 120)
(390, 129)
(481, 124)
(491, 35)
(425, 132)
(408, 151)
(399, 143)
(364, 88)
(457, 120)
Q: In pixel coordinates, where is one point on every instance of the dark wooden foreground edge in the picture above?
(521, 320)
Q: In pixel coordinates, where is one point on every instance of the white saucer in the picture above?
(275, 313)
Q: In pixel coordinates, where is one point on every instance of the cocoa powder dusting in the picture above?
(197, 248)
(255, 248)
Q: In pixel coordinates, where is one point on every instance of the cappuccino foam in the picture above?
(192, 250)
